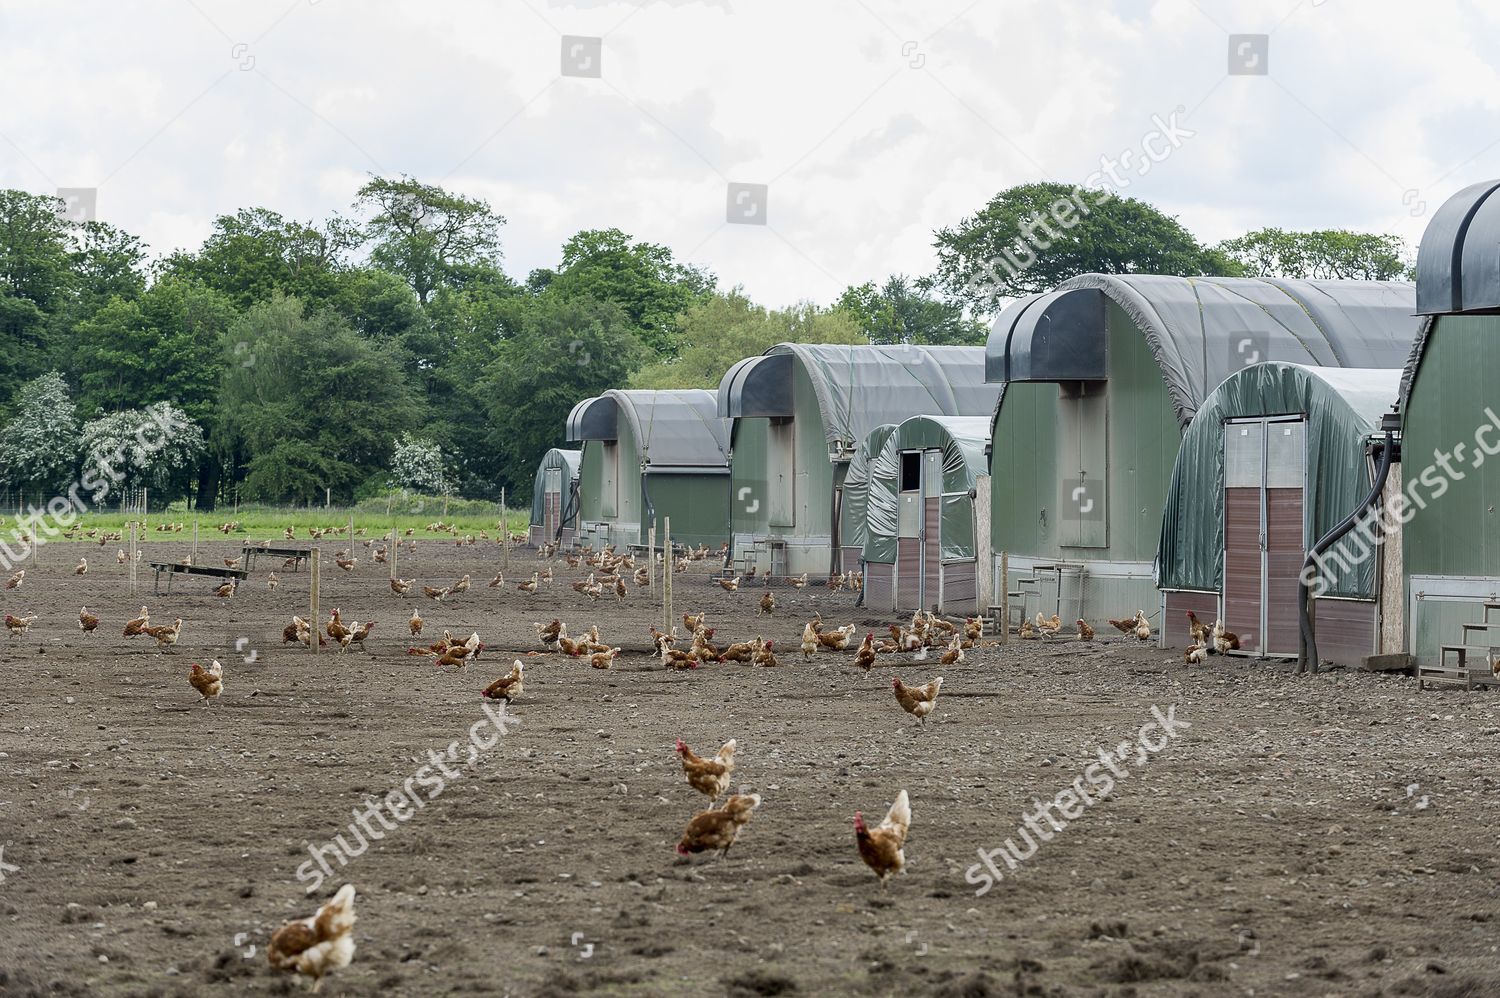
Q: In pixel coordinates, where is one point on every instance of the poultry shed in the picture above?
(920, 540)
(554, 498)
(799, 413)
(1451, 408)
(1100, 379)
(1275, 458)
(854, 499)
(648, 456)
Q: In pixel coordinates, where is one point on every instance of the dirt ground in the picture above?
(1333, 834)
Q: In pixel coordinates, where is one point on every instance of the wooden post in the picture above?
(1005, 598)
(316, 575)
(984, 561)
(327, 498)
(131, 555)
(390, 549)
(504, 536)
(194, 558)
(145, 506)
(351, 531)
(666, 579)
(651, 560)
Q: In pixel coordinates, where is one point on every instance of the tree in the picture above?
(256, 253)
(417, 466)
(320, 407)
(154, 447)
(426, 234)
(562, 350)
(904, 311)
(39, 445)
(642, 278)
(34, 280)
(727, 327)
(1031, 238)
(107, 262)
(1327, 254)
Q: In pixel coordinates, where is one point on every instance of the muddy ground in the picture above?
(1334, 834)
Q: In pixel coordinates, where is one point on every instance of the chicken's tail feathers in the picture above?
(336, 917)
(728, 747)
(900, 813)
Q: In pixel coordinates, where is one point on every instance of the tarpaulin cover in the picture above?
(569, 461)
(853, 509)
(677, 430)
(962, 440)
(1203, 329)
(861, 387)
(1342, 406)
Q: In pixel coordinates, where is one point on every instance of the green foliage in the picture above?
(154, 447)
(562, 351)
(428, 235)
(35, 279)
(1327, 254)
(256, 253)
(1016, 245)
(726, 327)
(904, 311)
(39, 445)
(315, 407)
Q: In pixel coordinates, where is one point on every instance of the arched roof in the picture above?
(859, 387)
(856, 488)
(1203, 329)
(677, 429)
(569, 461)
(1343, 409)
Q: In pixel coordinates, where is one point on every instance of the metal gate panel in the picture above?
(931, 554)
(908, 573)
(879, 587)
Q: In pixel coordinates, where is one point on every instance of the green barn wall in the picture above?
(697, 504)
(1458, 535)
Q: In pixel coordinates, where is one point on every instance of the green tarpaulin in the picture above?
(962, 441)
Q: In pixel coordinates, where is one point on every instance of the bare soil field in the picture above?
(1301, 835)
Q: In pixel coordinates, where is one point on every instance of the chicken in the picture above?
(702, 648)
(336, 628)
(619, 589)
(917, 701)
(1197, 654)
(227, 589)
(568, 646)
(903, 639)
(1026, 632)
(809, 641)
(881, 847)
(604, 659)
(1202, 634)
(582, 585)
(691, 622)
(800, 582)
(547, 633)
(1048, 626)
(767, 604)
(272, 582)
(838, 638)
(643, 576)
(593, 590)
(317, 946)
(864, 658)
(1225, 641)
(709, 777)
(415, 623)
(717, 829)
(671, 658)
(660, 640)
(1142, 629)
(14, 582)
(729, 585)
(347, 564)
(1085, 632)
(87, 622)
(359, 632)
(401, 586)
(530, 587)
(740, 651)
(954, 653)
(1123, 626)
(18, 625)
(973, 628)
(433, 593)
(82, 567)
(208, 682)
(764, 656)
(508, 686)
(166, 636)
(461, 586)
(119, 556)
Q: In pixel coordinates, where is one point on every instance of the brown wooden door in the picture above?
(1286, 474)
(932, 541)
(1264, 470)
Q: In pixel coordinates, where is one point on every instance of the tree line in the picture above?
(388, 348)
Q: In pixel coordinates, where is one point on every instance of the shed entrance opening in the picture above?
(1265, 477)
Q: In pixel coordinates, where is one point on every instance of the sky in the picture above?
(869, 123)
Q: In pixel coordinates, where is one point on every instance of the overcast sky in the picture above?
(873, 122)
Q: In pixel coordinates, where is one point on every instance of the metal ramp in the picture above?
(1457, 666)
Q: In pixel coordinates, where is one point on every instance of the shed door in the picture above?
(1083, 456)
(609, 485)
(1264, 462)
(781, 468)
(909, 522)
(932, 503)
(551, 501)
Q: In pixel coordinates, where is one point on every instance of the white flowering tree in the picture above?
(154, 447)
(39, 445)
(417, 466)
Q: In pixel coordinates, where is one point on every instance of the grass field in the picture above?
(263, 524)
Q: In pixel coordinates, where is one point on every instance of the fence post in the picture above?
(132, 555)
(1005, 598)
(651, 560)
(316, 575)
(666, 579)
(392, 549)
(194, 559)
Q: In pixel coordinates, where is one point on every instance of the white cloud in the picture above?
(874, 121)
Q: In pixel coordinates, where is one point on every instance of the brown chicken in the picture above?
(165, 636)
(881, 847)
(729, 585)
(954, 653)
(317, 946)
(87, 622)
(359, 633)
(208, 682)
(764, 656)
(1048, 626)
(1085, 632)
(864, 658)
(671, 658)
(508, 686)
(767, 604)
(1142, 629)
(1123, 626)
(547, 633)
(530, 587)
(691, 622)
(434, 594)
(838, 638)
(918, 701)
(415, 623)
(336, 628)
(14, 582)
(1225, 641)
(18, 625)
(740, 651)
(709, 777)
(604, 659)
(717, 829)
(1197, 654)
(1202, 634)
(401, 586)
(973, 628)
